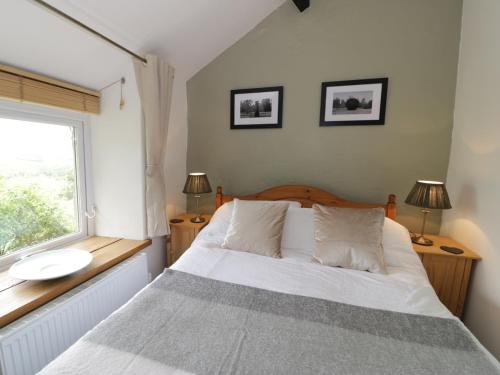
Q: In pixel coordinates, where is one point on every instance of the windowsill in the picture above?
(19, 297)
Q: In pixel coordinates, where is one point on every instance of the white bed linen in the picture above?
(405, 288)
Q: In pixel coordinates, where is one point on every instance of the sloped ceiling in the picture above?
(189, 33)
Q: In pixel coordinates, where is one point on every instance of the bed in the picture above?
(219, 311)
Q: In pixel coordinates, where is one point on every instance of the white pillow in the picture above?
(298, 231)
(349, 237)
(256, 227)
(396, 236)
(398, 249)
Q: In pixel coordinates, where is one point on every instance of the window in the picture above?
(42, 181)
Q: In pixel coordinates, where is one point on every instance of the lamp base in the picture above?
(198, 219)
(421, 240)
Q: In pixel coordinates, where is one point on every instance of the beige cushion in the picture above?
(349, 237)
(256, 227)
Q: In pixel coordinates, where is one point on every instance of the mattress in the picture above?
(405, 288)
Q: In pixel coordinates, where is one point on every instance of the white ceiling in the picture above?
(189, 33)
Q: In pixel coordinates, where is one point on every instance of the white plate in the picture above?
(50, 264)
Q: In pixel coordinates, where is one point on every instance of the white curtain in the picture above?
(154, 81)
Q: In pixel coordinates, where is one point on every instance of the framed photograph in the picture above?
(360, 102)
(259, 108)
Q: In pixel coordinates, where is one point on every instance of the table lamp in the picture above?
(428, 195)
(197, 183)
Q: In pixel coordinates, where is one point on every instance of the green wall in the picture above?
(414, 43)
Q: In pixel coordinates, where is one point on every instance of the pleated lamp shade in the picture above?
(429, 194)
(197, 183)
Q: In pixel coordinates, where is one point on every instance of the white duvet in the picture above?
(405, 288)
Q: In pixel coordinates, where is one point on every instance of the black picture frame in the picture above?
(258, 124)
(384, 82)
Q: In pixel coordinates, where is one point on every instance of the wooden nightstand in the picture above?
(182, 234)
(448, 273)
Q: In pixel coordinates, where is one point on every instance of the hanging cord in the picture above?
(122, 82)
(122, 102)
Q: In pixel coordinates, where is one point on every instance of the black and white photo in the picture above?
(360, 102)
(257, 108)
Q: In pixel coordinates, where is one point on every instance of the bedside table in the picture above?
(448, 273)
(182, 235)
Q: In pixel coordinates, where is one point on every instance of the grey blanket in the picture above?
(188, 324)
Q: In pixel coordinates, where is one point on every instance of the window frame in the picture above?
(80, 123)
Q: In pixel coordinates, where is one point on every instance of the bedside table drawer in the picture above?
(182, 235)
(450, 279)
(181, 239)
(448, 273)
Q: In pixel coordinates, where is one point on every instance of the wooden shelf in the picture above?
(19, 297)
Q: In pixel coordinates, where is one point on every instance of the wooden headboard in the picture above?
(307, 196)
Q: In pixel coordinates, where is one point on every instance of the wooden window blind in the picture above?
(18, 84)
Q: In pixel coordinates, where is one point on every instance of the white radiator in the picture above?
(31, 342)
